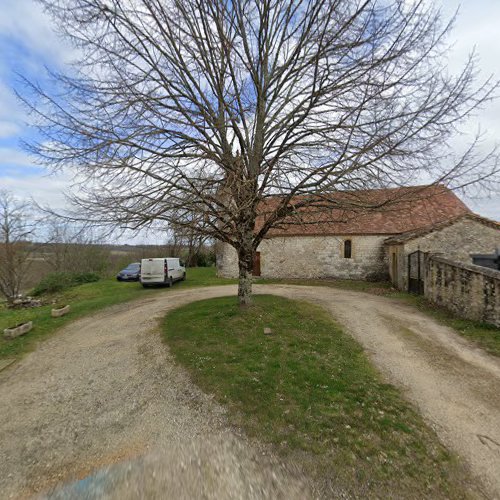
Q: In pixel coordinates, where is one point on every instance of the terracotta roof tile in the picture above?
(410, 235)
(398, 210)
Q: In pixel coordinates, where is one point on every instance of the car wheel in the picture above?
(144, 285)
(184, 277)
(170, 282)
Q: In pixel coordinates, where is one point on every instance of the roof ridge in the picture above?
(389, 211)
(411, 234)
(422, 187)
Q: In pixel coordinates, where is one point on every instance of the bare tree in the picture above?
(195, 245)
(74, 248)
(58, 245)
(16, 229)
(246, 112)
(192, 234)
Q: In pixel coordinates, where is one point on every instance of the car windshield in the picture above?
(132, 267)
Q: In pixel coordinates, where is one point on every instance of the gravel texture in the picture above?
(454, 384)
(100, 410)
(105, 390)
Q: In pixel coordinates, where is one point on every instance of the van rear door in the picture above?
(153, 270)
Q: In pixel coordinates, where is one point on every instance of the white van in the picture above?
(161, 271)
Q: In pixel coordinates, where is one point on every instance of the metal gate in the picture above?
(416, 267)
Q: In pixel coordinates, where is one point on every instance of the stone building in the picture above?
(456, 239)
(361, 243)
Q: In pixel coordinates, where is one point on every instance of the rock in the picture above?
(25, 302)
(56, 313)
(267, 331)
(17, 331)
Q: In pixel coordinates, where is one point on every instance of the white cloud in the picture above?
(14, 156)
(9, 129)
(48, 191)
(476, 29)
(487, 207)
(10, 106)
(25, 22)
(11, 113)
(44, 189)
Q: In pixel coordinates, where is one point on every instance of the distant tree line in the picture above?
(34, 244)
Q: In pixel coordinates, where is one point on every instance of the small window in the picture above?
(347, 249)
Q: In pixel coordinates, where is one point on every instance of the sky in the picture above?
(28, 43)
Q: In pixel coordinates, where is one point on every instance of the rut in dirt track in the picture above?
(105, 389)
(455, 385)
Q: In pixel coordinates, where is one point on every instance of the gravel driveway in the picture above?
(105, 391)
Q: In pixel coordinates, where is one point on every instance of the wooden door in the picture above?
(256, 264)
(394, 268)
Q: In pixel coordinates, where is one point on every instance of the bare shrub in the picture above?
(16, 232)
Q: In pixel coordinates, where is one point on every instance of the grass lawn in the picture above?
(483, 335)
(93, 296)
(376, 287)
(85, 299)
(309, 390)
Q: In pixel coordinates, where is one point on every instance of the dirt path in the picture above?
(105, 390)
(455, 385)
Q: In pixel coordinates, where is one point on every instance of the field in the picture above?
(103, 259)
(307, 389)
(94, 296)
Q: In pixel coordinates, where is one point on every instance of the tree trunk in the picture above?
(245, 266)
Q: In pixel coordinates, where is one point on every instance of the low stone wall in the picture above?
(470, 291)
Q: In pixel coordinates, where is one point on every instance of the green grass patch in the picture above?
(57, 282)
(375, 287)
(309, 390)
(85, 299)
(483, 335)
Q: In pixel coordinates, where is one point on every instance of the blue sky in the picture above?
(28, 43)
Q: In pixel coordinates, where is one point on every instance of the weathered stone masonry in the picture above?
(456, 242)
(312, 243)
(470, 291)
(313, 257)
(373, 245)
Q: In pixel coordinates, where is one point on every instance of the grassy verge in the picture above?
(375, 287)
(85, 299)
(483, 335)
(309, 390)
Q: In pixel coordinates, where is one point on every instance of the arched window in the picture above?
(347, 249)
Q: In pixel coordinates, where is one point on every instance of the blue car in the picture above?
(131, 273)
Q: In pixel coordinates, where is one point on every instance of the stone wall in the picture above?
(456, 242)
(313, 257)
(470, 291)
(226, 261)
